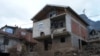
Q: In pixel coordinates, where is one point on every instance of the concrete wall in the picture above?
(56, 46)
(77, 29)
(68, 22)
(41, 26)
(75, 41)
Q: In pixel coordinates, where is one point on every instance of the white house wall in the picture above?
(68, 22)
(41, 26)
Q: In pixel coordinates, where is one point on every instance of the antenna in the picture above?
(84, 11)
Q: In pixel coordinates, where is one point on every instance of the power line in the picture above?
(84, 12)
(94, 16)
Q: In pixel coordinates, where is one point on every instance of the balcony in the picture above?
(58, 31)
(55, 33)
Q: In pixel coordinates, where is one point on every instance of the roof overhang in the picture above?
(48, 7)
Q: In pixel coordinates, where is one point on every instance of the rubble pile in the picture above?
(92, 49)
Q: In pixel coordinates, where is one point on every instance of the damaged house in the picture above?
(59, 30)
(15, 38)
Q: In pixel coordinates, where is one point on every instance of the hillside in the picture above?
(93, 24)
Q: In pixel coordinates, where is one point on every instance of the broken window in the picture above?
(62, 40)
(47, 44)
(52, 14)
(61, 24)
(57, 24)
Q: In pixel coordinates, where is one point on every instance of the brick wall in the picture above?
(84, 33)
(75, 28)
(79, 30)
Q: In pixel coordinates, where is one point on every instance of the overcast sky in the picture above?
(20, 12)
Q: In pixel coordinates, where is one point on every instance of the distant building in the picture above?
(59, 29)
(14, 37)
(94, 35)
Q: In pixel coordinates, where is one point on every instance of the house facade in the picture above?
(14, 37)
(59, 30)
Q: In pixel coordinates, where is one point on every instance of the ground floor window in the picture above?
(62, 39)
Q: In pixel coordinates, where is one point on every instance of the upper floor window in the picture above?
(40, 26)
(23, 33)
(8, 30)
(52, 14)
(58, 24)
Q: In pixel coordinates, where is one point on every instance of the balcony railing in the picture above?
(58, 31)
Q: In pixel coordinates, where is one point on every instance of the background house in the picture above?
(14, 37)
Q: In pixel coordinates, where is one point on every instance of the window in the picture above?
(40, 26)
(8, 30)
(23, 33)
(6, 40)
(57, 24)
(62, 39)
(61, 23)
(52, 14)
